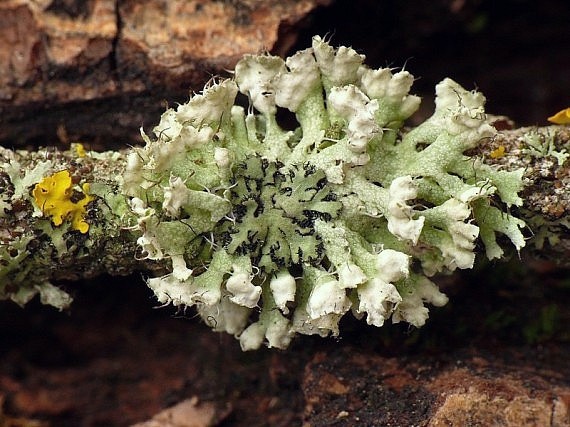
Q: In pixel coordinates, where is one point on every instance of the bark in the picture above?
(118, 362)
(100, 68)
(541, 152)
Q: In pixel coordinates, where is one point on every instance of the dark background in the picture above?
(515, 51)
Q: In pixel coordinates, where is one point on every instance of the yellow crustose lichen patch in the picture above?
(79, 149)
(498, 152)
(53, 196)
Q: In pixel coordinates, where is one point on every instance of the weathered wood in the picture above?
(99, 69)
(351, 388)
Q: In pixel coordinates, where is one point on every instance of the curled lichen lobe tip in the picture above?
(273, 229)
(272, 232)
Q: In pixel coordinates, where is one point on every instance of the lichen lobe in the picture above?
(271, 232)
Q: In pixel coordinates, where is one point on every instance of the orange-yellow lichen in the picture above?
(53, 196)
(79, 149)
(561, 118)
(498, 152)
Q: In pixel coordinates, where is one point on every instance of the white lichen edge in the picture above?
(264, 259)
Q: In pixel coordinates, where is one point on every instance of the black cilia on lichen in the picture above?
(272, 232)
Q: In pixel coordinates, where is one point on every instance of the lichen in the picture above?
(54, 196)
(542, 144)
(561, 118)
(274, 228)
(52, 228)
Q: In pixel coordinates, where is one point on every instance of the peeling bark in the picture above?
(475, 389)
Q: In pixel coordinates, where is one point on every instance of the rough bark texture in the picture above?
(101, 68)
(113, 364)
(546, 194)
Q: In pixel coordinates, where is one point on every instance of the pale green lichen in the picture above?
(283, 216)
(13, 257)
(272, 232)
(543, 145)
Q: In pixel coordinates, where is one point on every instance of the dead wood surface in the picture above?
(99, 69)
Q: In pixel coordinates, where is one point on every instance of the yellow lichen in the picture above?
(53, 196)
(498, 152)
(561, 118)
(79, 149)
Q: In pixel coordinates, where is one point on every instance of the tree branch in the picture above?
(228, 209)
(542, 152)
(112, 249)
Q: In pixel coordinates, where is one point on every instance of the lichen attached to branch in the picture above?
(283, 215)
